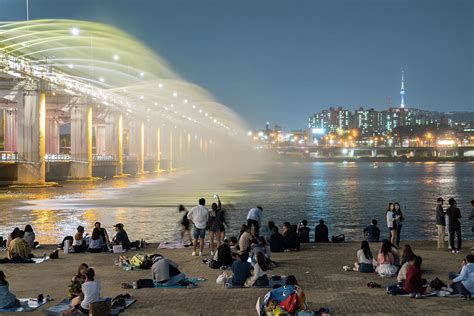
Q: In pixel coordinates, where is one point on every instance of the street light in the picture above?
(75, 31)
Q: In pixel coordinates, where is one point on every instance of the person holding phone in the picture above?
(214, 223)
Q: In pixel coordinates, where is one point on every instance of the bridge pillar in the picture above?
(170, 152)
(158, 150)
(31, 138)
(81, 143)
(180, 150)
(188, 146)
(100, 139)
(10, 135)
(119, 145)
(141, 149)
(52, 134)
(374, 153)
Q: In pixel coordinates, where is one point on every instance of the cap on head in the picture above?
(440, 199)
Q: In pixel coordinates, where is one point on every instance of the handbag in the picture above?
(222, 278)
(338, 239)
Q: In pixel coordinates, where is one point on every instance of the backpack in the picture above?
(338, 239)
(137, 260)
(437, 284)
(291, 303)
(213, 264)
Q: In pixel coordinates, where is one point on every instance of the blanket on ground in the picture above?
(26, 305)
(272, 284)
(192, 280)
(64, 305)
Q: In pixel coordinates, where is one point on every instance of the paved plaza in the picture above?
(318, 269)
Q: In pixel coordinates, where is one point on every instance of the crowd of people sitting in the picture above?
(99, 240)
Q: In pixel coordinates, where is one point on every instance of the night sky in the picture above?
(281, 61)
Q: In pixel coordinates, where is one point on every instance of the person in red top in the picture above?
(414, 282)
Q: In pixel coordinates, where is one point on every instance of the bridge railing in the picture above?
(8, 156)
(57, 157)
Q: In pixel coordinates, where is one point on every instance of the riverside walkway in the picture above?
(318, 269)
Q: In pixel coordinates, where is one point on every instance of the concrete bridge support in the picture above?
(100, 139)
(81, 142)
(158, 150)
(10, 137)
(52, 133)
(31, 137)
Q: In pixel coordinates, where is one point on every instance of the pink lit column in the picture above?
(10, 130)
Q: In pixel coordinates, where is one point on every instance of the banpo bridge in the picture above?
(82, 99)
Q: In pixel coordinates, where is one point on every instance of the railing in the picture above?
(8, 156)
(103, 157)
(57, 157)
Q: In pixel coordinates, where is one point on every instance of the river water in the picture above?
(346, 195)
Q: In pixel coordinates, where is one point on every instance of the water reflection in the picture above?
(347, 196)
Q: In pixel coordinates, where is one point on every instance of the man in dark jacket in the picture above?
(441, 223)
(372, 232)
(321, 232)
(454, 214)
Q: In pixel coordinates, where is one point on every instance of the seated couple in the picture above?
(19, 249)
(410, 280)
(463, 282)
(164, 272)
(83, 291)
(287, 241)
(244, 274)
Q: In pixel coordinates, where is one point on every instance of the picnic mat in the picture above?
(271, 284)
(25, 306)
(64, 305)
(176, 245)
(192, 280)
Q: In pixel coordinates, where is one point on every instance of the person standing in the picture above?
(399, 218)
(441, 223)
(254, 217)
(199, 215)
(454, 214)
(391, 223)
(185, 225)
(214, 224)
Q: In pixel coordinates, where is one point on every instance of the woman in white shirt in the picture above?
(91, 294)
(365, 259)
(391, 223)
(96, 243)
(259, 275)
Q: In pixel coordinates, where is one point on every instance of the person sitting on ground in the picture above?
(386, 262)
(259, 276)
(79, 244)
(199, 216)
(19, 248)
(260, 245)
(91, 294)
(414, 284)
(463, 283)
(407, 254)
(121, 238)
(303, 232)
(7, 298)
(103, 234)
(30, 237)
(394, 250)
(402, 273)
(234, 244)
(281, 300)
(292, 242)
(269, 229)
(165, 272)
(223, 255)
(277, 241)
(75, 288)
(96, 243)
(321, 232)
(245, 239)
(365, 259)
(241, 270)
(372, 232)
(12, 236)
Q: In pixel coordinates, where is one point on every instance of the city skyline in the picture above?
(319, 54)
